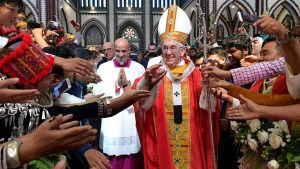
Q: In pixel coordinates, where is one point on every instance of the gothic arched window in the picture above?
(93, 36)
(130, 33)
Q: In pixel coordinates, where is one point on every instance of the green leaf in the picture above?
(289, 156)
(296, 159)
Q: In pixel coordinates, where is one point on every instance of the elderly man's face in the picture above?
(172, 52)
(122, 50)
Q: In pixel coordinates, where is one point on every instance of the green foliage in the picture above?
(45, 162)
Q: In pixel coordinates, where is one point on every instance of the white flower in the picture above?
(275, 131)
(282, 124)
(273, 164)
(252, 143)
(262, 137)
(254, 124)
(275, 123)
(275, 140)
(234, 125)
(297, 166)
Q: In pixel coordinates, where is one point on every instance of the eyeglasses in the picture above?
(104, 50)
(173, 49)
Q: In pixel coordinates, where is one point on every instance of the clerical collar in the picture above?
(187, 71)
(125, 64)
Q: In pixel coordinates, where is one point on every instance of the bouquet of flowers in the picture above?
(272, 144)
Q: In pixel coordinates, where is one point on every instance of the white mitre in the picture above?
(174, 24)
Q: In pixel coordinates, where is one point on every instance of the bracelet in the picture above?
(107, 101)
(288, 37)
(100, 108)
(13, 160)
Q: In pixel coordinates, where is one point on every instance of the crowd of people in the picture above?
(146, 111)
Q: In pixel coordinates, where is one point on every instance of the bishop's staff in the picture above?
(202, 33)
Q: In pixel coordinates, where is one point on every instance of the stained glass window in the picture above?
(130, 33)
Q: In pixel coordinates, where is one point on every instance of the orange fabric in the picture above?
(154, 132)
(280, 96)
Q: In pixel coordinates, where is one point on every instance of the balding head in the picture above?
(122, 50)
(122, 42)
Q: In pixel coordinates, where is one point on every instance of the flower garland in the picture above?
(271, 143)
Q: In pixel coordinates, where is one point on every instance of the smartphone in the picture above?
(61, 88)
(73, 23)
(247, 18)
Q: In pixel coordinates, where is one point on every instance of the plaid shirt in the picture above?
(263, 70)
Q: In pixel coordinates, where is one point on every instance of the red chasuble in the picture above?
(167, 145)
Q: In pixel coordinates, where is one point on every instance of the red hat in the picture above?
(26, 62)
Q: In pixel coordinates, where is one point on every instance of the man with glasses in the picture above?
(174, 130)
(109, 54)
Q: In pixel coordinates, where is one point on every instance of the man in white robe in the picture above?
(118, 136)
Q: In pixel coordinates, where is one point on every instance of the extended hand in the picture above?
(213, 71)
(215, 82)
(96, 159)
(249, 60)
(77, 65)
(131, 95)
(153, 76)
(247, 111)
(221, 93)
(271, 26)
(15, 95)
(54, 135)
(91, 78)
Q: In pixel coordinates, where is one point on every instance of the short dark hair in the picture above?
(240, 41)
(217, 51)
(193, 49)
(152, 44)
(257, 35)
(16, 2)
(273, 39)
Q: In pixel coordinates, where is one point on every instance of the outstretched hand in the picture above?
(214, 71)
(55, 135)
(96, 159)
(152, 76)
(131, 95)
(77, 65)
(222, 94)
(271, 26)
(249, 60)
(15, 95)
(247, 111)
(215, 82)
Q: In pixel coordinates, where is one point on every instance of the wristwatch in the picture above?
(288, 36)
(13, 160)
(107, 101)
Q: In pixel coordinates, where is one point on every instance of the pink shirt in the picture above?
(263, 70)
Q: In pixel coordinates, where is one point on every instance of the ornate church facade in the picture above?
(137, 20)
